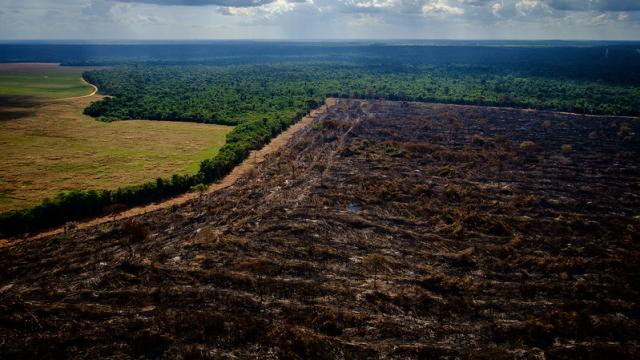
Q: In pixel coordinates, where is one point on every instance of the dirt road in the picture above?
(95, 90)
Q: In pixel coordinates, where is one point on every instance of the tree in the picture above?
(375, 263)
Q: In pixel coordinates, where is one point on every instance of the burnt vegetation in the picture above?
(384, 230)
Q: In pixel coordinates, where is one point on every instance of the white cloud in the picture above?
(377, 4)
(269, 10)
(496, 8)
(440, 8)
(525, 7)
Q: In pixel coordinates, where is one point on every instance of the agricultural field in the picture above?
(49, 146)
(42, 81)
(382, 230)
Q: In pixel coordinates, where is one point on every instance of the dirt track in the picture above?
(95, 90)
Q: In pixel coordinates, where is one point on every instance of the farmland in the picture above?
(42, 81)
(49, 146)
(383, 230)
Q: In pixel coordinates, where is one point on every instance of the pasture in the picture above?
(42, 81)
(50, 146)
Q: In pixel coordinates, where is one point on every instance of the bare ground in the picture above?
(383, 230)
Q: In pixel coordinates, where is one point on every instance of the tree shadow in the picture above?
(13, 115)
(17, 107)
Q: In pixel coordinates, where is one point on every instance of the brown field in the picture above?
(49, 147)
(383, 230)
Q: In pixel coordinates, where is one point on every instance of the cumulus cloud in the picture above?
(496, 8)
(379, 4)
(440, 7)
(525, 7)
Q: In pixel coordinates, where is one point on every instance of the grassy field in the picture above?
(48, 81)
(49, 146)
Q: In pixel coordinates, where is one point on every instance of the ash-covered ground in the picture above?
(383, 230)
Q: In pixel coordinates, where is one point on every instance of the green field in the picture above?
(50, 146)
(42, 81)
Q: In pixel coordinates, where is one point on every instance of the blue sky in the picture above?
(320, 19)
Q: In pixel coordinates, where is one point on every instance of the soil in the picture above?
(381, 230)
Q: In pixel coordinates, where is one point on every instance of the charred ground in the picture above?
(384, 230)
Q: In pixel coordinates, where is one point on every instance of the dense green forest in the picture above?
(238, 93)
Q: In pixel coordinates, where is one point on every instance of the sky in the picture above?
(319, 19)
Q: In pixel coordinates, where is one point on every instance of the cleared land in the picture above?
(45, 81)
(48, 146)
(383, 230)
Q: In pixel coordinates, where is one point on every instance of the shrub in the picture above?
(137, 231)
(394, 151)
(201, 188)
(375, 263)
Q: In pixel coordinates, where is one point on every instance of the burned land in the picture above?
(382, 230)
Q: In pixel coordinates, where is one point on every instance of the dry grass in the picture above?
(55, 148)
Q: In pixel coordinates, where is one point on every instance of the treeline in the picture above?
(78, 204)
(75, 205)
